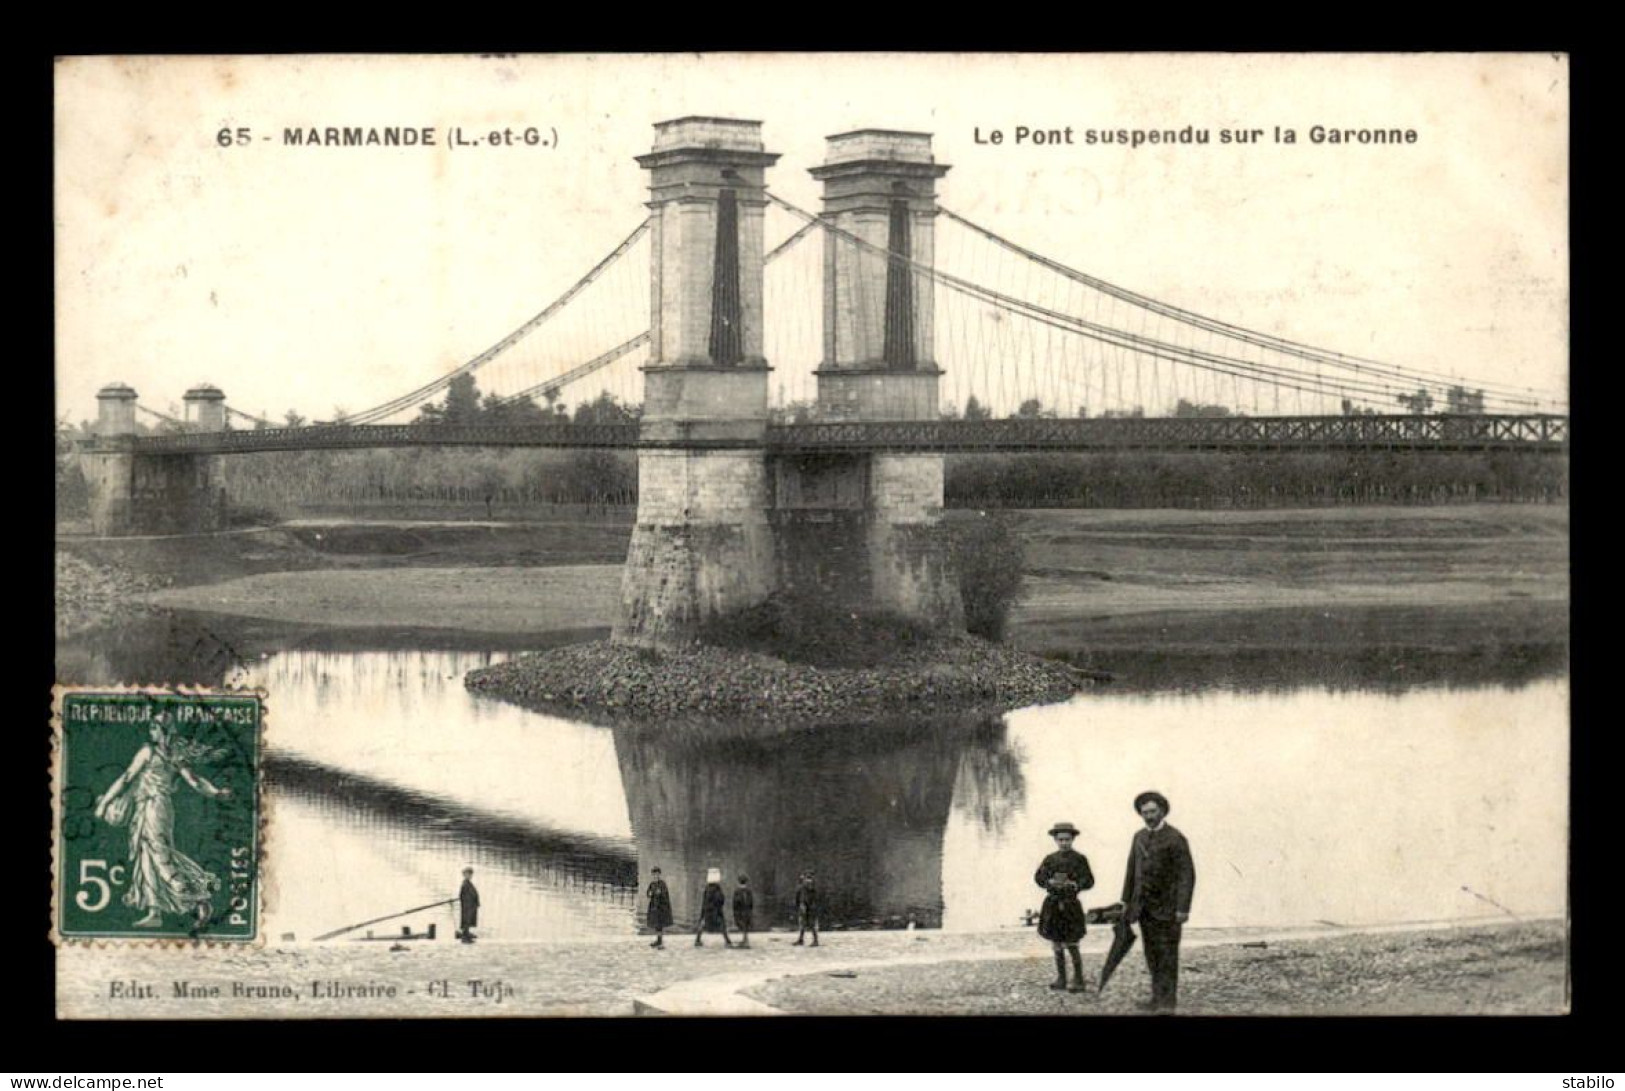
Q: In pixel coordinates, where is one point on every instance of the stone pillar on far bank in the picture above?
(865, 529)
(134, 492)
(702, 544)
(206, 492)
(108, 462)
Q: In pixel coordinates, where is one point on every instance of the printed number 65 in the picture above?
(115, 875)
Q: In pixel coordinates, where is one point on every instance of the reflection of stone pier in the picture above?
(865, 807)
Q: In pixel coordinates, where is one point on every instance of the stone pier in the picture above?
(864, 529)
(133, 493)
(702, 544)
(721, 525)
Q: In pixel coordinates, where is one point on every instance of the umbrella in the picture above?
(1122, 943)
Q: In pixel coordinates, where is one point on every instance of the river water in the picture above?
(386, 778)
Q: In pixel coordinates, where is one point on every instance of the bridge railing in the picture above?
(345, 436)
(1400, 432)
(1465, 433)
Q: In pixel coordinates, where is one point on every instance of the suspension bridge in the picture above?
(772, 365)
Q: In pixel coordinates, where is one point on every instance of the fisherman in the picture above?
(712, 902)
(468, 900)
(659, 915)
(744, 909)
(1157, 895)
(1063, 874)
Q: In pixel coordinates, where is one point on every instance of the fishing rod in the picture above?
(379, 920)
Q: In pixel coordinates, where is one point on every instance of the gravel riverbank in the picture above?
(1506, 969)
(609, 683)
(90, 594)
(1464, 968)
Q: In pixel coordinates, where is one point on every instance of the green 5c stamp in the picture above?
(157, 814)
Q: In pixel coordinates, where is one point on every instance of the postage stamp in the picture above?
(157, 814)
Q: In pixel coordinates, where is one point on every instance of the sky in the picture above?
(311, 278)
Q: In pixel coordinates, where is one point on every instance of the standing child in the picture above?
(711, 908)
(1063, 874)
(744, 909)
(659, 915)
(468, 902)
(807, 907)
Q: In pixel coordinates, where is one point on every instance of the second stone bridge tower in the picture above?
(722, 523)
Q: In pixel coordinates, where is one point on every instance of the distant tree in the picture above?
(1461, 400)
(72, 492)
(1420, 402)
(462, 400)
(1083, 412)
(1193, 409)
(341, 415)
(293, 420)
(975, 410)
(1031, 408)
(606, 409)
(798, 412)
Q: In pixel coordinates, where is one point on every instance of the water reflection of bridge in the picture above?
(865, 806)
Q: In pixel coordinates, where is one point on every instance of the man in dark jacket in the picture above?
(744, 910)
(468, 902)
(1157, 895)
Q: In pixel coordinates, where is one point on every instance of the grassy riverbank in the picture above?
(1379, 592)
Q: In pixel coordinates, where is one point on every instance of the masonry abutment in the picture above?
(870, 524)
(133, 493)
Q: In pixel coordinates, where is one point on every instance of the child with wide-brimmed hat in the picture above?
(1063, 874)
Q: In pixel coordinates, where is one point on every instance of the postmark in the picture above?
(157, 814)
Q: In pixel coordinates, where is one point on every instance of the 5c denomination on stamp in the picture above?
(156, 814)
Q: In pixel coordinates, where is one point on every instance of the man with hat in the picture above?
(1157, 894)
(1063, 874)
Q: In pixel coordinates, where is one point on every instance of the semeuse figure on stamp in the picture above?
(162, 878)
(659, 912)
(1063, 874)
(1157, 890)
(712, 902)
(468, 904)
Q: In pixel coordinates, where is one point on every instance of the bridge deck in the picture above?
(1538, 432)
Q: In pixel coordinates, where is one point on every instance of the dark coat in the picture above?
(1161, 876)
(468, 899)
(1061, 920)
(659, 915)
(711, 907)
(807, 901)
(744, 906)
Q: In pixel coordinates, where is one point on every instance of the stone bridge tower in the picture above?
(702, 544)
(864, 529)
